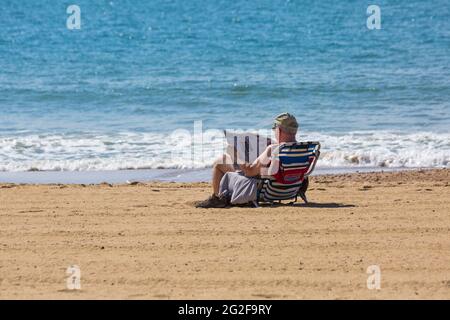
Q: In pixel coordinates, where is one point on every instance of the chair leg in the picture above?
(303, 196)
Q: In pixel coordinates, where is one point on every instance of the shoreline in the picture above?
(157, 175)
(147, 241)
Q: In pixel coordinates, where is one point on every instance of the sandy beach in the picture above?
(147, 241)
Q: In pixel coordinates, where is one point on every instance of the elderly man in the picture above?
(240, 185)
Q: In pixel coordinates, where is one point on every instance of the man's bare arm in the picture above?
(255, 169)
(251, 170)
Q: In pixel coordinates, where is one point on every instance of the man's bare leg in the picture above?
(220, 167)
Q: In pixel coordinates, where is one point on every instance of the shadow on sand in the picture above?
(329, 205)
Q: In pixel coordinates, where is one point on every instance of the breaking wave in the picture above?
(130, 150)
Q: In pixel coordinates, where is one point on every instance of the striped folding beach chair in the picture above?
(296, 162)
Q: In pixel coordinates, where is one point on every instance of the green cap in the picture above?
(287, 122)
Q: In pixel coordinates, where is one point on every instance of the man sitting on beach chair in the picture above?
(267, 179)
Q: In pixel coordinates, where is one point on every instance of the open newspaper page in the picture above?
(245, 147)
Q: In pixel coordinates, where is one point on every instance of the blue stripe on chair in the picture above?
(291, 160)
(296, 165)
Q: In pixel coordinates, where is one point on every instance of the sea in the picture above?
(113, 90)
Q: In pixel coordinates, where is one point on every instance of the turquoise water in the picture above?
(104, 97)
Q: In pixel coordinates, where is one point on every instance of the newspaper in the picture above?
(245, 147)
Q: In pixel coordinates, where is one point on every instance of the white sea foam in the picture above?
(126, 150)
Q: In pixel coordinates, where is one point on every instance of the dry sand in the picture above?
(147, 241)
